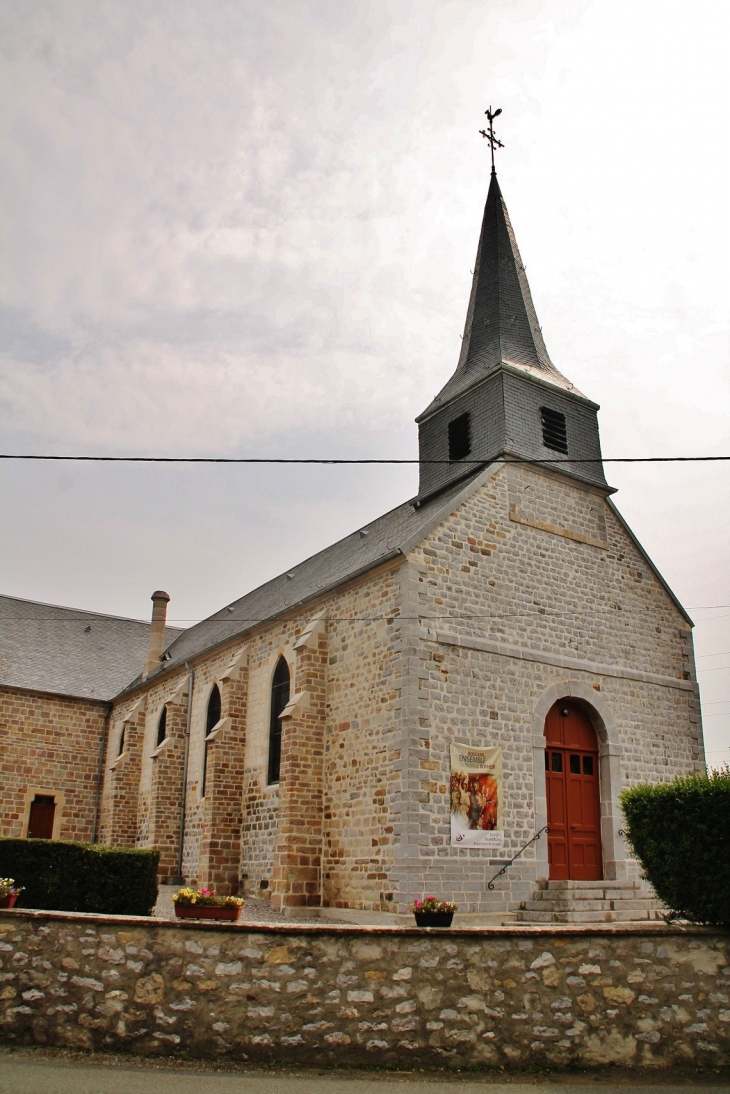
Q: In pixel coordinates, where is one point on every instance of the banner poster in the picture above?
(476, 797)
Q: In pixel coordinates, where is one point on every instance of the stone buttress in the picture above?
(297, 876)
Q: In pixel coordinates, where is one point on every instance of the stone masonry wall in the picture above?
(363, 744)
(529, 579)
(49, 745)
(530, 588)
(361, 760)
(510, 998)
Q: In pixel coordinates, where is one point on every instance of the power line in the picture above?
(495, 616)
(316, 460)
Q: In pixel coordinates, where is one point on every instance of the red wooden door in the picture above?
(573, 799)
(42, 812)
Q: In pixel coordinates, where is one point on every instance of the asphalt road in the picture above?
(19, 1075)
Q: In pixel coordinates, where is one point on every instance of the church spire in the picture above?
(505, 398)
(501, 322)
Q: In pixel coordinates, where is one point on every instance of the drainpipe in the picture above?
(100, 770)
(179, 879)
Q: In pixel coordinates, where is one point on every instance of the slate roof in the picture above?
(393, 534)
(67, 651)
(386, 537)
(501, 322)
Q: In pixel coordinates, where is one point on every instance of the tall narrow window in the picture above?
(460, 437)
(212, 718)
(554, 431)
(162, 727)
(122, 735)
(279, 698)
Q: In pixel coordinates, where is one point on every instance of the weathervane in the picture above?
(493, 142)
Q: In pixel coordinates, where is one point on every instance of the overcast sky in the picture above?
(246, 228)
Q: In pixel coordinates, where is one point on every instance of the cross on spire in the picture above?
(493, 142)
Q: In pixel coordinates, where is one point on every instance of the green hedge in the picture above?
(63, 876)
(680, 833)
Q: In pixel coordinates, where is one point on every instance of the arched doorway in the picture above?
(573, 798)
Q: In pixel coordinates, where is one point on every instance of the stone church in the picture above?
(299, 743)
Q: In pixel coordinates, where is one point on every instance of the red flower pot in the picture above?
(9, 900)
(207, 911)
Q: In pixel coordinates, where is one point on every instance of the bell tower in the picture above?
(505, 398)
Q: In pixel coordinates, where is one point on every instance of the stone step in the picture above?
(592, 896)
(580, 886)
(621, 895)
(584, 902)
(604, 916)
(588, 905)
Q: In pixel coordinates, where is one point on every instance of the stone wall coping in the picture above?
(521, 930)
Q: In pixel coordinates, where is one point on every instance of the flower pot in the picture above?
(433, 919)
(206, 911)
(9, 900)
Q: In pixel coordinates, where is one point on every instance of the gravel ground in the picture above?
(254, 910)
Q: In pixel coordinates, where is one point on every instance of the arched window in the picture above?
(279, 698)
(162, 727)
(212, 718)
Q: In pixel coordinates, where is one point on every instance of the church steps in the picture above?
(586, 917)
(586, 905)
(590, 902)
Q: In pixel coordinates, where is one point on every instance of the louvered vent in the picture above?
(554, 432)
(460, 437)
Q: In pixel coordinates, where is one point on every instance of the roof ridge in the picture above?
(82, 611)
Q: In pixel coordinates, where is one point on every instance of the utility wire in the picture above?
(313, 460)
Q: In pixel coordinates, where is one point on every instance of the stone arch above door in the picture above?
(599, 712)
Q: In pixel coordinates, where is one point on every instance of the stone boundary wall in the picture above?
(517, 997)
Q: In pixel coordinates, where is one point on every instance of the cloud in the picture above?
(240, 227)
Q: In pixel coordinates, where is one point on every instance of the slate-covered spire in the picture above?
(501, 322)
(506, 398)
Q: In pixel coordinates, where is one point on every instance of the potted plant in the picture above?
(432, 912)
(9, 892)
(206, 904)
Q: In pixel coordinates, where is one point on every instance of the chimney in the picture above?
(160, 600)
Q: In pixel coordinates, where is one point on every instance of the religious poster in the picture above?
(476, 797)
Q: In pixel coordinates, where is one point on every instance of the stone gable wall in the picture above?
(401, 998)
(533, 562)
(49, 745)
(530, 587)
